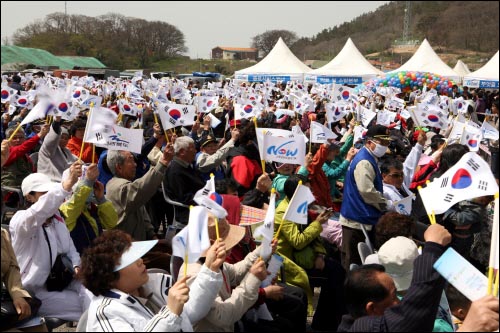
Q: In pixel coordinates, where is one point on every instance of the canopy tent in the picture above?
(461, 69)
(484, 77)
(279, 65)
(348, 67)
(426, 60)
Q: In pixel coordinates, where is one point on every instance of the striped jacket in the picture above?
(117, 311)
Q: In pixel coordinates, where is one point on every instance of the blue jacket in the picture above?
(353, 205)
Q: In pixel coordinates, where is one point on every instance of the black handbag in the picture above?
(61, 273)
(9, 317)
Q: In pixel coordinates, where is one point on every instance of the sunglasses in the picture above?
(396, 175)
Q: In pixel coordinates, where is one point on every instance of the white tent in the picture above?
(461, 68)
(426, 60)
(348, 67)
(484, 77)
(279, 65)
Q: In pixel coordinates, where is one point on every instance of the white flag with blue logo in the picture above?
(469, 178)
(297, 208)
(284, 149)
(193, 239)
(489, 131)
(121, 138)
(267, 229)
(404, 205)
(320, 133)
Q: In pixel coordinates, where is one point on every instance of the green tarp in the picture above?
(38, 57)
(84, 62)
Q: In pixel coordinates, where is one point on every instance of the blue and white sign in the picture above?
(325, 79)
(270, 77)
(477, 83)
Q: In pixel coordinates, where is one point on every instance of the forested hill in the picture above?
(449, 25)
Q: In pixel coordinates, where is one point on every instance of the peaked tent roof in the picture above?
(461, 68)
(280, 61)
(489, 71)
(486, 76)
(426, 60)
(349, 62)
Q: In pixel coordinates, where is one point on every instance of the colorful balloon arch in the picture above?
(406, 80)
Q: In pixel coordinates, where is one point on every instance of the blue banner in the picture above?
(265, 77)
(478, 83)
(339, 79)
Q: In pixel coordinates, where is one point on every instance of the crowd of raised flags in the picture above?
(177, 105)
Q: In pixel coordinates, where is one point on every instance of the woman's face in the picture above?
(132, 277)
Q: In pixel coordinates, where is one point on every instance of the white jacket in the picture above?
(29, 243)
(120, 312)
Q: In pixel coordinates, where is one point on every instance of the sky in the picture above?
(205, 25)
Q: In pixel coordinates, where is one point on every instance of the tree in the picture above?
(266, 41)
(116, 40)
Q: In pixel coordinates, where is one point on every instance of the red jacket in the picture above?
(75, 145)
(21, 150)
(320, 186)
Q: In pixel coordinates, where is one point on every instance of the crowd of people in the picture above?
(108, 216)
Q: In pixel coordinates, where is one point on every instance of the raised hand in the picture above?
(75, 172)
(259, 269)
(216, 255)
(178, 295)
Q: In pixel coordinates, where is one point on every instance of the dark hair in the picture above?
(100, 259)
(16, 79)
(362, 286)
(388, 163)
(291, 184)
(223, 186)
(436, 141)
(247, 133)
(450, 156)
(393, 224)
(78, 123)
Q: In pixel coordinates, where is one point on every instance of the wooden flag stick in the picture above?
(15, 131)
(217, 227)
(493, 246)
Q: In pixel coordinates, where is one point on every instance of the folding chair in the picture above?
(176, 224)
(364, 251)
(367, 238)
(12, 201)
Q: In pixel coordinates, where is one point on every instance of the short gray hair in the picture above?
(11, 130)
(182, 142)
(114, 158)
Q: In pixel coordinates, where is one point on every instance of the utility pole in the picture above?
(406, 29)
(65, 8)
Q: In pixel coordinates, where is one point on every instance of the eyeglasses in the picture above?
(396, 175)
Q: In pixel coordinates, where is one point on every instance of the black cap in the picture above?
(378, 132)
(206, 140)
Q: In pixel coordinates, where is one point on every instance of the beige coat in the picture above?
(229, 305)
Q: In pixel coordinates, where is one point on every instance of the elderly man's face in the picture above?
(128, 168)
